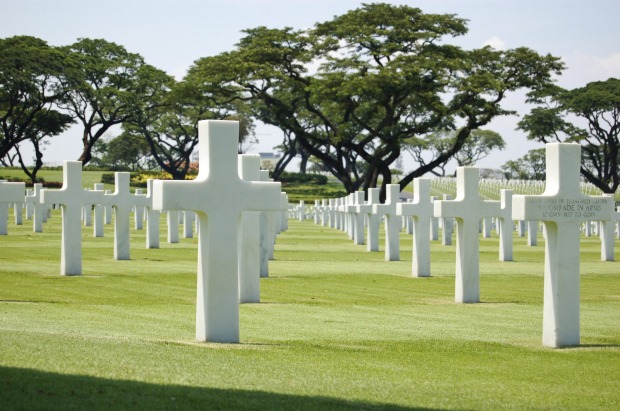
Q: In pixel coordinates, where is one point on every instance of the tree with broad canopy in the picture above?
(587, 115)
(355, 88)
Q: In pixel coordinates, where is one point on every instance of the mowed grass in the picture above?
(337, 328)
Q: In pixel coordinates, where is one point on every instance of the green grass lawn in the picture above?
(337, 328)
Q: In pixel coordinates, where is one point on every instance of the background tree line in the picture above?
(351, 95)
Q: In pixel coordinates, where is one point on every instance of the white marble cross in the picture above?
(421, 209)
(138, 209)
(324, 213)
(38, 209)
(98, 213)
(434, 223)
(317, 211)
(152, 218)
(357, 219)
(143, 205)
(121, 201)
(608, 234)
(71, 197)
(487, 224)
(532, 233)
(447, 226)
(9, 193)
(284, 212)
(392, 222)
(28, 204)
(468, 209)
(373, 221)
(188, 224)
(332, 213)
(172, 220)
(267, 229)
(18, 212)
(218, 196)
(249, 237)
(505, 225)
(562, 208)
(107, 210)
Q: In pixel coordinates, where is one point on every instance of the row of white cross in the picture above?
(562, 209)
(226, 197)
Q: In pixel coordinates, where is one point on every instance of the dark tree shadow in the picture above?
(26, 389)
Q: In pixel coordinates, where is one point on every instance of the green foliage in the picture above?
(299, 178)
(477, 146)
(560, 115)
(383, 75)
(104, 87)
(29, 183)
(529, 167)
(31, 77)
(337, 328)
(136, 179)
(126, 152)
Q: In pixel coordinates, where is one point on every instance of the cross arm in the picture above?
(12, 192)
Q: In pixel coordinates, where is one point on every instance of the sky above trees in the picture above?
(172, 34)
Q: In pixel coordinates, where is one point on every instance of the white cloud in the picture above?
(496, 43)
(583, 68)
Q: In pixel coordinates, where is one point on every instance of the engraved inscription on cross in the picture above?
(71, 198)
(562, 208)
(218, 196)
(468, 209)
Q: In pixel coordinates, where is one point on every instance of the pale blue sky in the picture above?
(171, 34)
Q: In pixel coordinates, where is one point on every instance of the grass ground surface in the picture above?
(337, 328)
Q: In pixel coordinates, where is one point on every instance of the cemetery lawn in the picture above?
(337, 328)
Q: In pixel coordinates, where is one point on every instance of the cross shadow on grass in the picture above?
(26, 389)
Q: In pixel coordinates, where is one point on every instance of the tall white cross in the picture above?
(447, 226)
(152, 218)
(283, 212)
(249, 237)
(562, 208)
(121, 201)
(218, 196)
(357, 219)
(138, 209)
(17, 212)
(34, 201)
(71, 198)
(505, 225)
(332, 213)
(607, 234)
(98, 213)
(421, 209)
(373, 221)
(434, 223)
(392, 222)
(143, 205)
(267, 227)
(468, 209)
